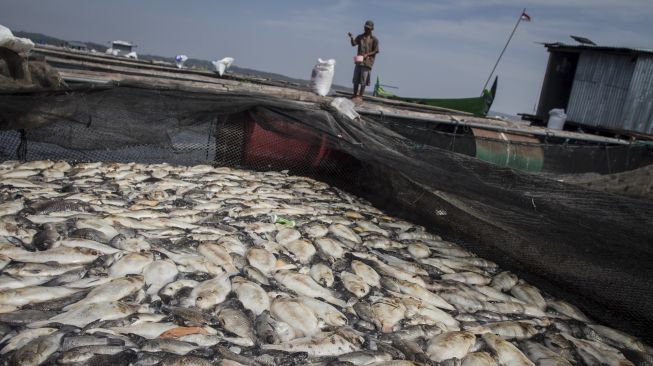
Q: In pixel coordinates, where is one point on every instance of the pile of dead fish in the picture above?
(116, 264)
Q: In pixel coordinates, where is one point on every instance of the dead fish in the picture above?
(235, 321)
(113, 290)
(541, 355)
(83, 315)
(296, 314)
(38, 350)
(218, 255)
(210, 292)
(132, 263)
(418, 250)
(129, 244)
(251, 295)
(317, 231)
(367, 273)
(505, 352)
(305, 285)
(261, 259)
(354, 284)
(47, 269)
(324, 312)
(387, 313)
(60, 255)
(367, 226)
(450, 345)
(172, 360)
(469, 278)
(255, 275)
(89, 234)
(478, 359)
(268, 330)
(25, 317)
(616, 338)
(365, 357)
(14, 282)
(86, 353)
(148, 330)
(158, 274)
(301, 249)
(528, 294)
(286, 235)
(24, 337)
(322, 344)
(506, 330)
(344, 232)
(329, 249)
(33, 294)
(71, 342)
(85, 243)
(322, 274)
(49, 206)
(169, 346)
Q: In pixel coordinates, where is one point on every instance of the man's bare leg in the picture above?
(360, 96)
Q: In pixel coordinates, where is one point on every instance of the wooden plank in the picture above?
(63, 63)
(157, 82)
(409, 105)
(57, 52)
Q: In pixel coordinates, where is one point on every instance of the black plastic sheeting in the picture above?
(593, 249)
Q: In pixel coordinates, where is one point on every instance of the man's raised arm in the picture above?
(352, 40)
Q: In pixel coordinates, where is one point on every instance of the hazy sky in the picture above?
(442, 48)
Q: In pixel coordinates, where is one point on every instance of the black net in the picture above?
(588, 247)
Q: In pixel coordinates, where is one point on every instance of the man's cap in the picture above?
(369, 24)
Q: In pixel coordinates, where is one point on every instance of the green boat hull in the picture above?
(478, 106)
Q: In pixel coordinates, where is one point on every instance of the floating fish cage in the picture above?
(234, 173)
(525, 151)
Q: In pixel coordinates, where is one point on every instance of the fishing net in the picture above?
(591, 248)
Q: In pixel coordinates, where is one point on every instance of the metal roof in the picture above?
(607, 49)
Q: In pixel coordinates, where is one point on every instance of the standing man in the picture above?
(368, 47)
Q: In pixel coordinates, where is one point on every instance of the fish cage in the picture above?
(543, 153)
(590, 248)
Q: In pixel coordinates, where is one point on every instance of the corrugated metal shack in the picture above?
(606, 88)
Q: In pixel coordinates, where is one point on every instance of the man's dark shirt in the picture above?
(367, 45)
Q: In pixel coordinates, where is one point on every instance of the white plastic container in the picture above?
(557, 119)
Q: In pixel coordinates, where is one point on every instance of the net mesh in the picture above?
(588, 247)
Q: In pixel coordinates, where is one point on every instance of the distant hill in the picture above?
(39, 38)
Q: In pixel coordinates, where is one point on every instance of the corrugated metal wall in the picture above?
(600, 89)
(638, 108)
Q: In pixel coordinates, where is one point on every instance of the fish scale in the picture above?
(157, 263)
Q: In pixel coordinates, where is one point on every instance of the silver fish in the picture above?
(38, 350)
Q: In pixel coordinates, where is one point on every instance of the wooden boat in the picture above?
(478, 106)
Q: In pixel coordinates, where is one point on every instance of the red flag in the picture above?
(525, 16)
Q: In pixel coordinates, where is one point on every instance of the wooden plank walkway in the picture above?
(75, 65)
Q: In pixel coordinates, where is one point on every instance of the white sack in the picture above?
(322, 76)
